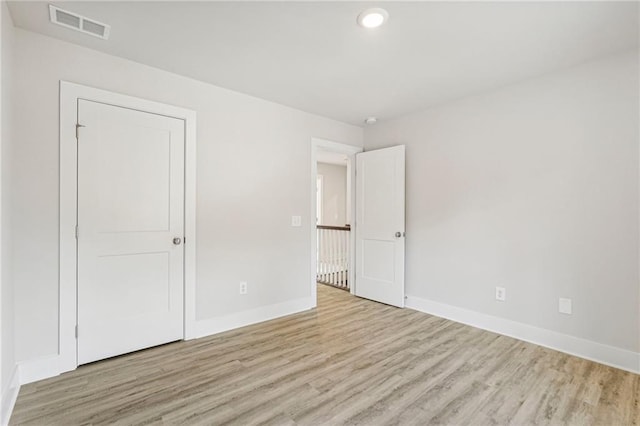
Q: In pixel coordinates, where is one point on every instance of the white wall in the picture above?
(533, 187)
(8, 362)
(334, 194)
(246, 148)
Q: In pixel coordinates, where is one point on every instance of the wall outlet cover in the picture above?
(501, 294)
(296, 221)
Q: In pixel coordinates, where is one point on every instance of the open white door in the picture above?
(130, 230)
(380, 225)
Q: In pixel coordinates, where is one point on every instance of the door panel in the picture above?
(380, 209)
(133, 179)
(133, 293)
(130, 207)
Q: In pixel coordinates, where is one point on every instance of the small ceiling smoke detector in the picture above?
(79, 23)
(372, 18)
(370, 121)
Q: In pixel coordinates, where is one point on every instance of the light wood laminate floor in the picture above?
(351, 361)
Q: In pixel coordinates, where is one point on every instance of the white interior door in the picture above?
(130, 210)
(380, 225)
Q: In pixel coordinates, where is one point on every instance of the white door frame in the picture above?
(68, 294)
(350, 151)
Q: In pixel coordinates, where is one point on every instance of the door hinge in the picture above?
(76, 331)
(78, 130)
(76, 232)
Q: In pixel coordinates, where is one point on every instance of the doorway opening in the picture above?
(333, 198)
(333, 224)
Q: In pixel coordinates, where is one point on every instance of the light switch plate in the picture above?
(296, 221)
(564, 306)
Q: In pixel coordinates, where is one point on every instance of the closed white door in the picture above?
(130, 210)
(380, 225)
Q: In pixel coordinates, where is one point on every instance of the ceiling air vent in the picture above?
(78, 23)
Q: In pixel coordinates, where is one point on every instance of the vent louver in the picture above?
(79, 23)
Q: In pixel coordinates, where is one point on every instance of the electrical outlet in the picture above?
(296, 221)
(564, 306)
(501, 294)
(243, 287)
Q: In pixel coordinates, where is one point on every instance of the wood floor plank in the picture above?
(348, 362)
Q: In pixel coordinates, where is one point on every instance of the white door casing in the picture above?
(130, 209)
(380, 225)
(70, 95)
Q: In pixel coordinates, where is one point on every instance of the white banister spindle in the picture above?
(338, 254)
(347, 264)
(319, 248)
(320, 259)
(332, 257)
(321, 251)
(327, 256)
(339, 260)
(343, 263)
(324, 256)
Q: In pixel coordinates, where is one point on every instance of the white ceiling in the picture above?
(313, 56)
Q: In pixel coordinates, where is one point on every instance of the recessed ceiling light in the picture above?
(370, 120)
(372, 18)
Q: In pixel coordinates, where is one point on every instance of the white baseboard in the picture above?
(49, 366)
(216, 325)
(39, 369)
(9, 396)
(587, 349)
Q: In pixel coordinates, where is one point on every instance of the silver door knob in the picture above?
(177, 241)
(398, 234)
